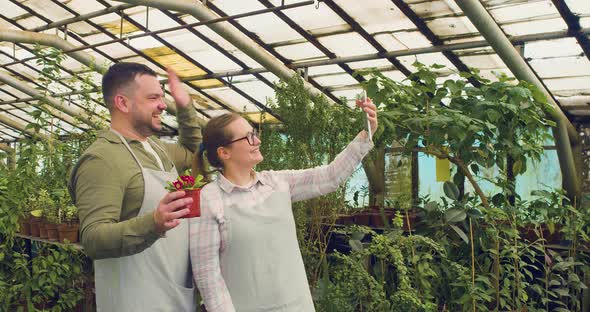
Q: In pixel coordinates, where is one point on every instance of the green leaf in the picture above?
(455, 215)
(460, 233)
(355, 245)
(451, 190)
(517, 167)
(474, 168)
(357, 236)
(431, 206)
(563, 292)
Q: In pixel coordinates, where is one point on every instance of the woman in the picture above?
(244, 249)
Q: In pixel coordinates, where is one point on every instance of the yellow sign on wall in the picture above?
(443, 170)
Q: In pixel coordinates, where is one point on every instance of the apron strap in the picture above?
(127, 146)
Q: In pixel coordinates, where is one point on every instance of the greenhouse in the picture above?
(295, 156)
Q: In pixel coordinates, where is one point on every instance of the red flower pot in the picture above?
(195, 209)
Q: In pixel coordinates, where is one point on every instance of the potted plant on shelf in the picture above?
(68, 228)
(43, 204)
(192, 188)
(36, 204)
(51, 214)
(25, 219)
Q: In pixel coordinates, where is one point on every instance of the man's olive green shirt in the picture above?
(107, 187)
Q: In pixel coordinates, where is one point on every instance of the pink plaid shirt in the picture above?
(208, 233)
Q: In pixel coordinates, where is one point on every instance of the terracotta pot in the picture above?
(25, 226)
(362, 218)
(195, 210)
(377, 220)
(67, 231)
(35, 223)
(345, 220)
(51, 231)
(43, 229)
(551, 238)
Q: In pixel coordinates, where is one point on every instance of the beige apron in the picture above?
(156, 279)
(261, 262)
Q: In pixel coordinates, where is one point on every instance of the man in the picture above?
(130, 225)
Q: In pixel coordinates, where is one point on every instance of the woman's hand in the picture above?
(371, 110)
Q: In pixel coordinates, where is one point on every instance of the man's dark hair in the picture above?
(120, 75)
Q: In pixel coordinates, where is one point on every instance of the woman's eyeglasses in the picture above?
(249, 136)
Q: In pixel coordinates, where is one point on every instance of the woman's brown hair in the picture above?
(215, 135)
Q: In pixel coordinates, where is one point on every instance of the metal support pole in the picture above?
(25, 88)
(229, 33)
(21, 127)
(565, 134)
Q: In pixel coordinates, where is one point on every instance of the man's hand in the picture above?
(181, 97)
(170, 209)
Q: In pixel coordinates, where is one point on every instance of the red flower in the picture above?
(177, 185)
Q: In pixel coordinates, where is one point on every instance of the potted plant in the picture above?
(192, 188)
(44, 204)
(68, 228)
(36, 213)
(52, 219)
(25, 219)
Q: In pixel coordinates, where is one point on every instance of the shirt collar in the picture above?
(227, 186)
(112, 137)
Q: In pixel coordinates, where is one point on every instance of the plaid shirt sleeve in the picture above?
(314, 182)
(206, 242)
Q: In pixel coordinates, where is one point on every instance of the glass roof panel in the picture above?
(199, 50)
(376, 15)
(31, 22)
(579, 6)
(314, 20)
(48, 9)
(335, 80)
(300, 52)
(570, 83)
(552, 48)
(84, 6)
(585, 22)
(347, 44)
(427, 59)
(12, 10)
(519, 11)
(259, 90)
(157, 19)
(451, 26)
(232, 99)
(435, 8)
(535, 27)
(561, 67)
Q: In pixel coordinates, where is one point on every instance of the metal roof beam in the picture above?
(225, 30)
(83, 17)
(405, 52)
(566, 136)
(573, 25)
(21, 127)
(22, 36)
(25, 88)
(433, 38)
